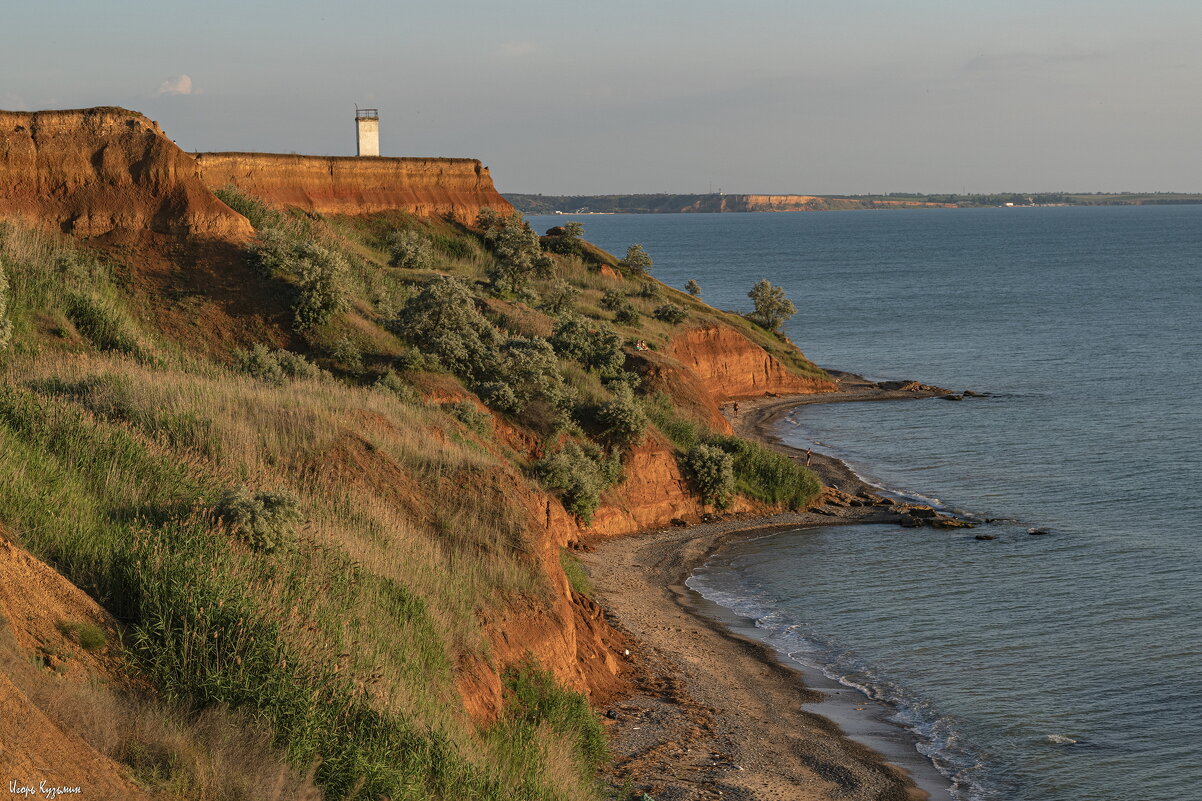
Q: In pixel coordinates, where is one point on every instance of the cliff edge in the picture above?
(94, 171)
(425, 187)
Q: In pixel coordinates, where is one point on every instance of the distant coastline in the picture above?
(717, 202)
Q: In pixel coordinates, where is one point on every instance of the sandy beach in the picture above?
(717, 713)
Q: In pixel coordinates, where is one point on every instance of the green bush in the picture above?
(649, 291)
(410, 250)
(626, 315)
(622, 420)
(669, 313)
(579, 474)
(517, 253)
(769, 476)
(559, 298)
(392, 383)
(276, 367)
(594, 345)
(693, 288)
(470, 415)
(711, 470)
(265, 521)
(624, 311)
(347, 354)
(318, 273)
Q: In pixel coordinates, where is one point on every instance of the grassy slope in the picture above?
(117, 446)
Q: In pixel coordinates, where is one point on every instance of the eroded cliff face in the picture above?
(758, 203)
(95, 171)
(426, 187)
(731, 366)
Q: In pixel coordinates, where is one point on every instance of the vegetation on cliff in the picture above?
(322, 524)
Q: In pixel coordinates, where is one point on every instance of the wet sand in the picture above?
(718, 714)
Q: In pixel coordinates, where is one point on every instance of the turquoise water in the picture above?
(1057, 668)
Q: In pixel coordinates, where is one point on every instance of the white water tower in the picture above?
(367, 127)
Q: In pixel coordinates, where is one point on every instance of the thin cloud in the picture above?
(176, 85)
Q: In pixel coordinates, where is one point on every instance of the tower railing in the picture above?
(367, 114)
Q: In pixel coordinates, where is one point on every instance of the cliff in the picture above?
(426, 187)
(762, 203)
(734, 367)
(94, 171)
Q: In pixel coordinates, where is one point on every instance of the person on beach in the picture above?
(809, 456)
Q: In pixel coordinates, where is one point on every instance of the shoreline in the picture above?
(718, 713)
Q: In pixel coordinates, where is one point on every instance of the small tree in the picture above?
(409, 249)
(669, 313)
(559, 298)
(637, 260)
(693, 288)
(772, 307)
(622, 419)
(712, 472)
(518, 257)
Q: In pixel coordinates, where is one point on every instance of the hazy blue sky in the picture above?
(655, 95)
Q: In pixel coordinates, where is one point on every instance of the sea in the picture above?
(1058, 667)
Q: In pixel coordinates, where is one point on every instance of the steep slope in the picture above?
(424, 187)
(731, 366)
(35, 603)
(95, 171)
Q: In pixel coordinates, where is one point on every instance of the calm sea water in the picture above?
(1057, 668)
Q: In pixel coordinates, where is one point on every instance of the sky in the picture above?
(760, 96)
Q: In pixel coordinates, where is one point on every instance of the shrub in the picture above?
(624, 311)
(636, 261)
(626, 315)
(88, 636)
(470, 415)
(275, 367)
(393, 384)
(442, 319)
(265, 521)
(6, 325)
(649, 291)
(321, 276)
(769, 476)
(559, 298)
(579, 474)
(693, 288)
(669, 313)
(318, 273)
(410, 250)
(517, 254)
(594, 345)
(347, 354)
(711, 470)
(569, 242)
(772, 307)
(622, 420)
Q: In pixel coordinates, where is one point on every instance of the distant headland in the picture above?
(718, 202)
